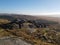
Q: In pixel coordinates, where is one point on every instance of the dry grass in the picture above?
(25, 36)
(29, 38)
(3, 21)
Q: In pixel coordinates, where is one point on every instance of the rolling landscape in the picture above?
(29, 22)
(19, 29)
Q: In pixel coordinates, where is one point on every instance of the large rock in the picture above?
(12, 41)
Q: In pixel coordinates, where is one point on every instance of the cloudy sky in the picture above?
(33, 7)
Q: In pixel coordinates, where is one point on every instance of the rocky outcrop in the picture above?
(19, 24)
(12, 41)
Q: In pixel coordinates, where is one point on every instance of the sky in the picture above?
(33, 7)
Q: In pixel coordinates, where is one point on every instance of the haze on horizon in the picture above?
(33, 7)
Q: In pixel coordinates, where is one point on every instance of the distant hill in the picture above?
(6, 17)
(45, 19)
(14, 16)
(56, 19)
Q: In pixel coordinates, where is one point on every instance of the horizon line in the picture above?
(36, 14)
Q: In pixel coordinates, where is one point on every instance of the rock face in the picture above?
(12, 41)
(18, 23)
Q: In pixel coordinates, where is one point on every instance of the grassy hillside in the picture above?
(32, 29)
